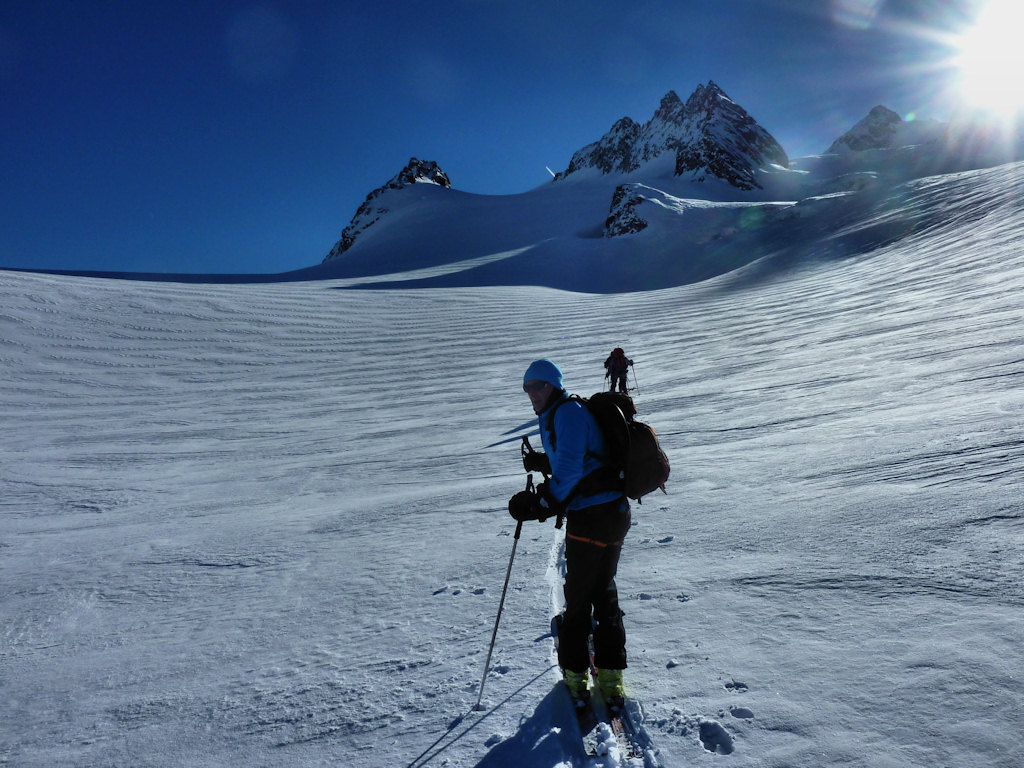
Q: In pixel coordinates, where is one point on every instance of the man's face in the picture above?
(538, 392)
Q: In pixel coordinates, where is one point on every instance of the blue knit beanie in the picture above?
(544, 370)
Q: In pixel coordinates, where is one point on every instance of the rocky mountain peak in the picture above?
(728, 143)
(373, 208)
(876, 131)
(709, 134)
(705, 97)
(419, 172)
(671, 109)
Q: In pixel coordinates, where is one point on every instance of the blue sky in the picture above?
(242, 136)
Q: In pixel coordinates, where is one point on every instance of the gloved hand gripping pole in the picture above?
(527, 451)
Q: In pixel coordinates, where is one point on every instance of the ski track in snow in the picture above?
(261, 524)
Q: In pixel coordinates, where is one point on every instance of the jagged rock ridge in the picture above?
(710, 135)
(728, 142)
(372, 209)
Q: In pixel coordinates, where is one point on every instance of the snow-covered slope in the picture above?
(698, 191)
(265, 525)
(374, 207)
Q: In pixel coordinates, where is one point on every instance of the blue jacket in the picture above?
(573, 456)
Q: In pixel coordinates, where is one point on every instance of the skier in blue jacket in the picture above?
(597, 519)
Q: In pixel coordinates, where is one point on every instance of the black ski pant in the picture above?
(593, 542)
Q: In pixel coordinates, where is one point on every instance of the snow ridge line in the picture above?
(555, 573)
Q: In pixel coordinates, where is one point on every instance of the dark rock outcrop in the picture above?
(623, 218)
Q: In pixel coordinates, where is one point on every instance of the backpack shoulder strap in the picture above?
(551, 416)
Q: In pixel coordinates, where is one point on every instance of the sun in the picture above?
(991, 60)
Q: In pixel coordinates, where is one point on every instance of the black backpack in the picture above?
(636, 462)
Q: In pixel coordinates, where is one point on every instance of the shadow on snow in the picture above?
(548, 737)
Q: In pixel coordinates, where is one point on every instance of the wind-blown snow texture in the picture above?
(265, 525)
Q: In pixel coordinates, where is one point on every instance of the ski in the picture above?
(588, 722)
(583, 707)
(606, 730)
(621, 734)
(627, 723)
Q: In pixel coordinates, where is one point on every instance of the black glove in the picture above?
(535, 461)
(525, 506)
(547, 501)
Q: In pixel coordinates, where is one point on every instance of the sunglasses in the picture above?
(534, 387)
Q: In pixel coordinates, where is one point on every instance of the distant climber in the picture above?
(616, 367)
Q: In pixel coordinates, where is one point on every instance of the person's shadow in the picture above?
(550, 736)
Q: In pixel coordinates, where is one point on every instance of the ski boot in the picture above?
(576, 682)
(610, 682)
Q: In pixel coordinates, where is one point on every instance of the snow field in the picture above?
(265, 525)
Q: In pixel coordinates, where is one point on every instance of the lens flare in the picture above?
(856, 14)
(991, 60)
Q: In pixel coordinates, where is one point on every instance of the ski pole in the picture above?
(501, 605)
(636, 381)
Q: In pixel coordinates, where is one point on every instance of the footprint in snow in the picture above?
(715, 738)
(712, 735)
(459, 590)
